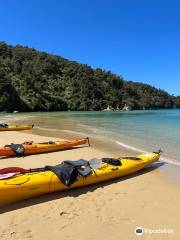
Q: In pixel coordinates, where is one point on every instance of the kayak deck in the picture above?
(36, 148)
(29, 185)
(16, 128)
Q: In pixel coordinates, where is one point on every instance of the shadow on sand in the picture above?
(74, 192)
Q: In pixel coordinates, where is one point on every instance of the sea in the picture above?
(143, 131)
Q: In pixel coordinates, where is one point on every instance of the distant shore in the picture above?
(108, 109)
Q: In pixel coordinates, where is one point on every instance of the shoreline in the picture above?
(117, 206)
(109, 146)
(74, 122)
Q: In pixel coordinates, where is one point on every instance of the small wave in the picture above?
(92, 129)
(75, 132)
(131, 147)
(13, 118)
(170, 161)
(163, 159)
(48, 129)
(82, 125)
(62, 130)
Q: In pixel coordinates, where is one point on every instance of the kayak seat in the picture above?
(28, 143)
(18, 149)
(4, 125)
(132, 158)
(112, 161)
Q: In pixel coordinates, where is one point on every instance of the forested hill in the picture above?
(36, 81)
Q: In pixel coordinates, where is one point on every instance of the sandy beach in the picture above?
(110, 210)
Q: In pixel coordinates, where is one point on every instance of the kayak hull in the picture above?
(37, 148)
(24, 186)
(17, 128)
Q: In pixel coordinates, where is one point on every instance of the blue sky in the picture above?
(138, 39)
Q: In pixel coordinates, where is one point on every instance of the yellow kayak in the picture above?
(16, 128)
(34, 184)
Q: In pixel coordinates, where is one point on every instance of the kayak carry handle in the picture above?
(88, 141)
(159, 151)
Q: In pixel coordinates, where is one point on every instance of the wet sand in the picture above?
(110, 210)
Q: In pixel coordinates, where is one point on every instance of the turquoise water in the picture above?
(144, 130)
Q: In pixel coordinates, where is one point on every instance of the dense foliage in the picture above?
(37, 81)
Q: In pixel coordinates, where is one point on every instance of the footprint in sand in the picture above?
(68, 215)
(6, 233)
(120, 193)
(27, 234)
(13, 234)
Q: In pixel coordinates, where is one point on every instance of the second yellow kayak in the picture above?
(16, 127)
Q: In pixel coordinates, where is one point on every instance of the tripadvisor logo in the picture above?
(139, 231)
